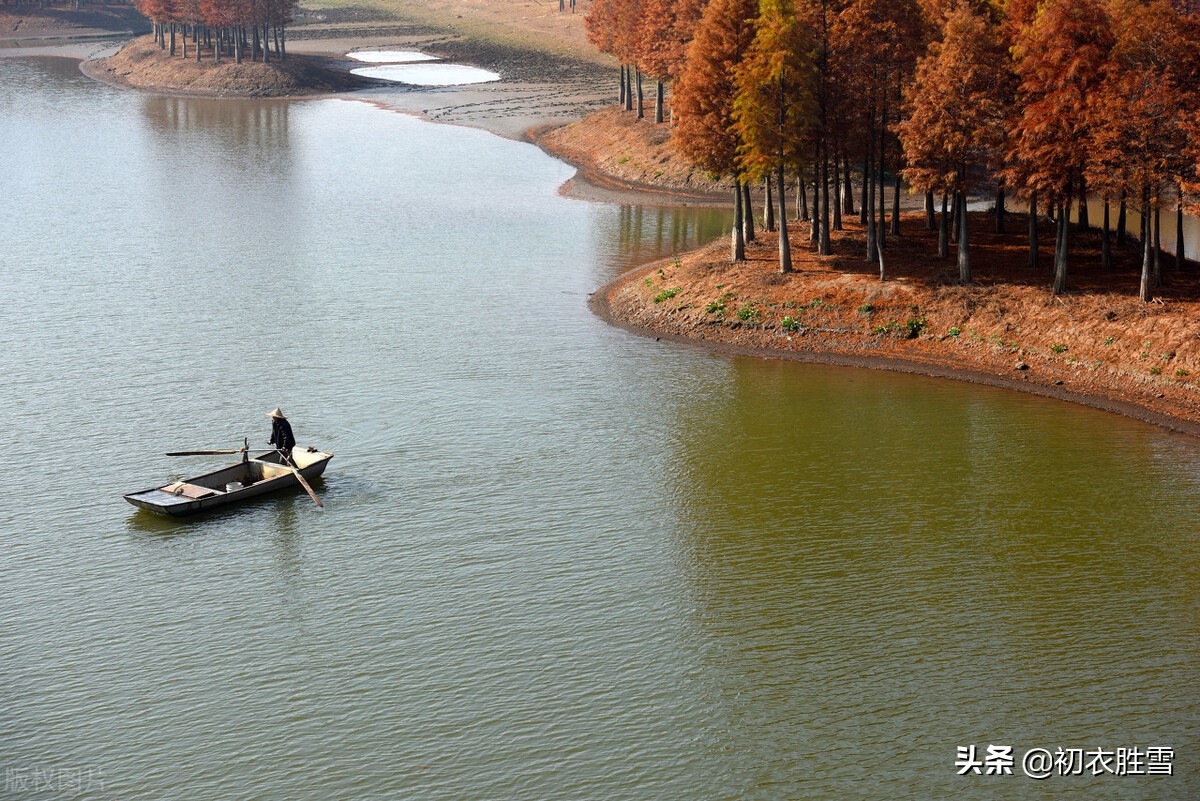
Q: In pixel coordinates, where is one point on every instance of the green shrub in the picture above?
(667, 294)
(790, 324)
(1059, 348)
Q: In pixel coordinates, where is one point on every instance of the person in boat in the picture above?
(281, 433)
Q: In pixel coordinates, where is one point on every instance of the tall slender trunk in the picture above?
(658, 103)
(747, 213)
(621, 89)
(629, 88)
(1145, 285)
(880, 228)
(944, 230)
(930, 221)
(801, 199)
(1121, 220)
(1034, 249)
(868, 206)
(738, 243)
(814, 218)
(864, 207)
(964, 245)
(768, 203)
(282, 43)
(1106, 239)
(956, 211)
(837, 194)
(641, 111)
(172, 38)
(184, 38)
(848, 187)
(825, 245)
(785, 245)
(1157, 242)
(1180, 252)
(1000, 207)
(1064, 244)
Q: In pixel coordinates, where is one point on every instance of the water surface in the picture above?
(556, 561)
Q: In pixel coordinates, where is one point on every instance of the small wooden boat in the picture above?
(230, 485)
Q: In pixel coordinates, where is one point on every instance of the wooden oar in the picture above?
(202, 453)
(300, 478)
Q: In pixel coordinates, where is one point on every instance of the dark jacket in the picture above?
(281, 435)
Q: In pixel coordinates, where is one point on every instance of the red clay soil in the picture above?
(143, 65)
(1097, 344)
(614, 149)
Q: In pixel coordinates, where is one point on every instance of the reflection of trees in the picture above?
(870, 559)
(248, 135)
(646, 233)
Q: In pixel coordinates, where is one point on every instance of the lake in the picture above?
(557, 561)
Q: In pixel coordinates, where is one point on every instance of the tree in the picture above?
(704, 133)
(774, 108)
(1059, 59)
(956, 112)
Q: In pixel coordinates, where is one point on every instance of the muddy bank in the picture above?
(1097, 345)
(32, 24)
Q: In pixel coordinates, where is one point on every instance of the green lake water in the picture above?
(557, 561)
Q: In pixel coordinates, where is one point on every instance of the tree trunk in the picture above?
(1157, 244)
(964, 245)
(930, 218)
(848, 188)
(1000, 208)
(955, 214)
(814, 219)
(1180, 252)
(1144, 288)
(282, 43)
(837, 194)
(1106, 240)
(1064, 243)
(747, 213)
(868, 204)
(825, 247)
(944, 231)
(769, 203)
(658, 103)
(801, 200)
(785, 245)
(864, 207)
(621, 92)
(629, 88)
(880, 228)
(172, 38)
(1034, 249)
(738, 244)
(183, 38)
(641, 111)
(1121, 220)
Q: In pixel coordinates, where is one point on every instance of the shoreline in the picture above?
(601, 304)
(510, 107)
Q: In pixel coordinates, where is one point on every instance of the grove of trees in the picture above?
(1050, 101)
(221, 27)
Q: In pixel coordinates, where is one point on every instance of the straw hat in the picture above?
(276, 414)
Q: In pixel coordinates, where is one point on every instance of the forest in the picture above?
(221, 27)
(1049, 103)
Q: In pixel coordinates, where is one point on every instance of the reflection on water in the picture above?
(254, 133)
(556, 562)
